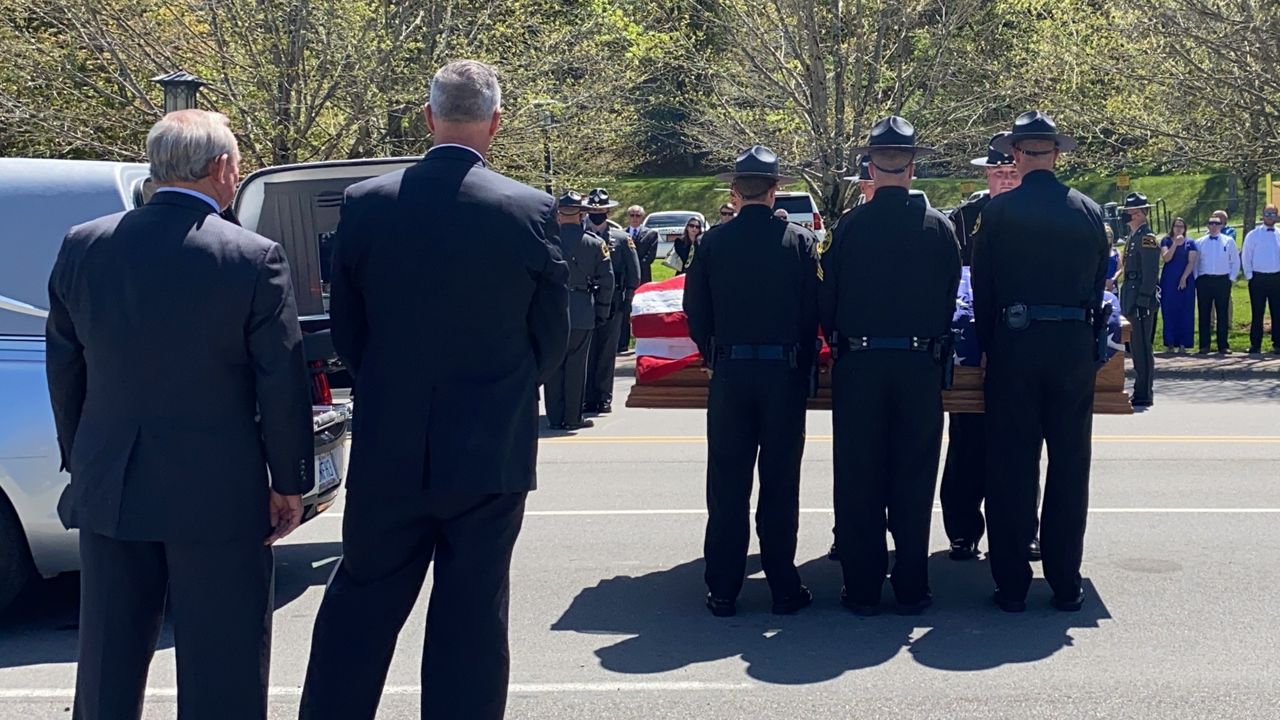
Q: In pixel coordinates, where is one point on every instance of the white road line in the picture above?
(67, 694)
(828, 511)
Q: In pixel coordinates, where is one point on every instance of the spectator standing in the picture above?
(1261, 260)
(1178, 287)
(727, 213)
(646, 244)
(1217, 265)
(685, 246)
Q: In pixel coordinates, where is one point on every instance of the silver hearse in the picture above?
(296, 205)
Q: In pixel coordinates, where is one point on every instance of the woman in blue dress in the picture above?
(1178, 287)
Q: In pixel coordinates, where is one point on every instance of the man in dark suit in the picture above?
(646, 243)
(177, 380)
(447, 366)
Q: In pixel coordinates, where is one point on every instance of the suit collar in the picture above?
(451, 151)
(182, 200)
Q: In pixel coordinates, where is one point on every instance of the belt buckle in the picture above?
(1017, 316)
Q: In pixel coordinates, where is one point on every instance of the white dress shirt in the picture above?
(1218, 256)
(1261, 251)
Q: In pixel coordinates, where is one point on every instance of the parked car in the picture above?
(39, 201)
(801, 209)
(669, 225)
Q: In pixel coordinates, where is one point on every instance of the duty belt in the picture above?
(1019, 316)
(756, 352)
(856, 344)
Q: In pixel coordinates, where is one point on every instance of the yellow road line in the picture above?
(701, 439)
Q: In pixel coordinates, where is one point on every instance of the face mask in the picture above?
(1125, 217)
(597, 219)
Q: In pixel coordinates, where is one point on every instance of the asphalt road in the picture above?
(607, 622)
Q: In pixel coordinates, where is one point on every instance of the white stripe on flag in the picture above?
(667, 348)
(657, 302)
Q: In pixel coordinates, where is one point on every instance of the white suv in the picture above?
(802, 210)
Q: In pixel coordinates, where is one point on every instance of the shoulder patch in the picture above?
(604, 249)
(977, 223)
(631, 243)
(1149, 241)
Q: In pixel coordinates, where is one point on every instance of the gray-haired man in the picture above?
(187, 326)
(447, 372)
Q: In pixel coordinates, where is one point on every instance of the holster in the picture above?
(1101, 331)
(944, 352)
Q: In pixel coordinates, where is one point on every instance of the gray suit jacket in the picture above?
(176, 375)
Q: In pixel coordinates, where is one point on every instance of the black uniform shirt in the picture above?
(1042, 243)
(626, 261)
(589, 268)
(891, 271)
(966, 219)
(754, 281)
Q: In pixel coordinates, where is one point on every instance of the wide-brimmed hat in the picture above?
(864, 170)
(994, 157)
(1033, 125)
(1136, 201)
(571, 199)
(756, 161)
(894, 133)
(599, 200)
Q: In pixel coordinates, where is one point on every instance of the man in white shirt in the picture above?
(1217, 267)
(1261, 259)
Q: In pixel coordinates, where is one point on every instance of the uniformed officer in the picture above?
(964, 476)
(603, 357)
(751, 296)
(590, 299)
(891, 335)
(1139, 297)
(1039, 266)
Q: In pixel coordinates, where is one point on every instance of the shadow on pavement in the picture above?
(963, 631)
(42, 625)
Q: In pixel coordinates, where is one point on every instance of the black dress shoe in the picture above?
(963, 549)
(1224, 351)
(1033, 551)
(915, 608)
(1008, 604)
(1255, 351)
(793, 603)
(604, 408)
(556, 426)
(833, 553)
(1202, 351)
(860, 609)
(721, 607)
(1142, 403)
(584, 423)
(590, 407)
(1069, 604)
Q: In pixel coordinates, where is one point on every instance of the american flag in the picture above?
(661, 330)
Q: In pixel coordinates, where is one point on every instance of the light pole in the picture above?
(547, 119)
(180, 90)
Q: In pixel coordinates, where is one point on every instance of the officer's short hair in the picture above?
(754, 188)
(465, 91)
(892, 160)
(181, 146)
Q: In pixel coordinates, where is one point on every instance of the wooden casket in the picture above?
(687, 388)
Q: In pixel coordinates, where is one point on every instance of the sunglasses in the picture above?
(635, 215)
(1270, 213)
(694, 225)
(1211, 223)
(725, 213)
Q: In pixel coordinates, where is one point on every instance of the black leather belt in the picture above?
(754, 352)
(857, 344)
(1018, 316)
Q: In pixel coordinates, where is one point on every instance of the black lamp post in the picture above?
(547, 119)
(180, 90)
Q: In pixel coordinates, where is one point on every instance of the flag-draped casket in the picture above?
(669, 370)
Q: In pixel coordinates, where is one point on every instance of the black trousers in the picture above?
(388, 545)
(1039, 391)
(964, 477)
(603, 359)
(1213, 294)
(624, 337)
(220, 598)
(1264, 289)
(565, 388)
(756, 409)
(1142, 350)
(887, 418)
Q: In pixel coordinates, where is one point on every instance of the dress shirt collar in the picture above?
(454, 150)
(193, 193)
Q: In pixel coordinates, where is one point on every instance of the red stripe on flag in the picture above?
(650, 369)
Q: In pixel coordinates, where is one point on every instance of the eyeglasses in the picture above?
(635, 215)
(694, 225)
(726, 213)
